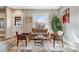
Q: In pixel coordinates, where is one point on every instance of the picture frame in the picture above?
(66, 16)
(28, 19)
(17, 19)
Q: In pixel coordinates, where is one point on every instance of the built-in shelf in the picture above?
(2, 34)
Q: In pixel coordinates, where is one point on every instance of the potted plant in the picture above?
(56, 24)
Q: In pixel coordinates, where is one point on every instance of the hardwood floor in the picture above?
(31, 47)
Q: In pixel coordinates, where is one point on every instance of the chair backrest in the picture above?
(59, 36)
(21, 36)
(60, 33)
(26, 33)
(17, 34)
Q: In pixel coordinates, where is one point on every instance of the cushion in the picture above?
(60, 33)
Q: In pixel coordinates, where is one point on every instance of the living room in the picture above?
(23, 19)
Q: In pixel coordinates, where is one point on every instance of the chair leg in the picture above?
(21, 40)
(53, 43)
(62, 44)
(29, 40)
(26, 42)
(17, 42)
(50, 40)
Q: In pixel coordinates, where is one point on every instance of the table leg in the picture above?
(42, 42)
(53, 43)
(26, 42)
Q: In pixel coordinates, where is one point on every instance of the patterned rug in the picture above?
(31, 47)
(23, 50)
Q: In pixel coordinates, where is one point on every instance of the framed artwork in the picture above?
(66, 16)
(28, 19)
(17, 19)
(18, 22)
(40, 25)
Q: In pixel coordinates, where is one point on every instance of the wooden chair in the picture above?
(56, 37)
(28, 35)
(21, 37)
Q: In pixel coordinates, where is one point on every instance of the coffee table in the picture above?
(39, 39)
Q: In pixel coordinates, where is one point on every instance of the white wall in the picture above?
(8, 22)
(31, 12)
(15, 13)
(72, 29)
(74, 16)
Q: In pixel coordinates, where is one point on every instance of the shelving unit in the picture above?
(2, 34)
(2, 23)
(2, 29)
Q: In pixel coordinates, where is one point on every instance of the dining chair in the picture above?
(28, 35)
(21, 37)
(57, 37)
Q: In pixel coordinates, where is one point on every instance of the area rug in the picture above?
(23, 50)
(34, 50)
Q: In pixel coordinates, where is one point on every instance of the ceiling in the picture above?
(34, 7)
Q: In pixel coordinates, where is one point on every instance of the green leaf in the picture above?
(56, 25)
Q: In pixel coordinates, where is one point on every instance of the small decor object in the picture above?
(29, 19)
(40, 36)
(66, 16)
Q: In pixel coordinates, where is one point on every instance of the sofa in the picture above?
(37, 31)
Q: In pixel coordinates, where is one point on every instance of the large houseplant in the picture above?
(56, 25)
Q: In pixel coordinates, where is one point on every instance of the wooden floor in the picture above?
(32, 47)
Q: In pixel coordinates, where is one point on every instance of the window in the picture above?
(40, 18)
(39, 21)
(1, 22)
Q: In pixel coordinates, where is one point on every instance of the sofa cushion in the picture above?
(36, 30)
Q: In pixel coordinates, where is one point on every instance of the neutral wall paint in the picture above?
(8, 22)
(17, 12)
(72, 29)
(27, 27)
